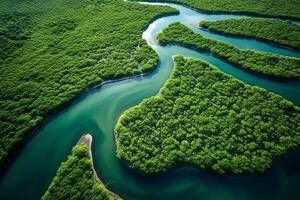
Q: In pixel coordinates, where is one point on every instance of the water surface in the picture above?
(99, 109)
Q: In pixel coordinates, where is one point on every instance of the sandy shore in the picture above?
(87, 139)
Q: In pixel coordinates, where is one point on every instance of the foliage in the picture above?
(208, 119)
(260, 63)
(74, 179)
(271, 30)
(52, 51)
(288, 9)
(14, 31)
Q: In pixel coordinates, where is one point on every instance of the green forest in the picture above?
(261, 63)
(215, 133)
(52, 51)
(287, 9)
(74, 179)
(205, 118)
(275, 31)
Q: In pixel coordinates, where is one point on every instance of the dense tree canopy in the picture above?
(52, 51)
(74, 179)
(208, 119)
(271, 30)
(276, 8)
(265, 64)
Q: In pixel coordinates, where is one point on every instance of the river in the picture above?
(98, 110)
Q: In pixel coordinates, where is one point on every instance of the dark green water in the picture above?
(99, 109)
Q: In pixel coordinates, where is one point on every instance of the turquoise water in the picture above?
(98, 110)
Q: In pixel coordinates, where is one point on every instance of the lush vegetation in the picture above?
(271, 30)
(261, 63)
(74, 179)
(275, 8)
(52, 51)
(210, 120)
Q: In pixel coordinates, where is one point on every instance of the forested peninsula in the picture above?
(274, 31)
(75, 180)
(205, 118)
(260, 63)
(52, 51)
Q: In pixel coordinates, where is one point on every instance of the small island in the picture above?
(263, 64)
(277, 32)
(210, 120)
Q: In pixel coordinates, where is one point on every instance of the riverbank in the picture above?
(151, 129)
(279, 33)
(47, 75)
(87, 139)
(270, 42)
(273, 66)
(97, 113)
(76, 177)
(30, 133)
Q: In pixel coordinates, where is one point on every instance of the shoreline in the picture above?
(270, 42)
(83, 95)
(266, 76)
(87, 139)
(182, 164)
(14, 153)
(6, 163)
(32, 133)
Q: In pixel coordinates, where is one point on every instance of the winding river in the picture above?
(98, 110)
